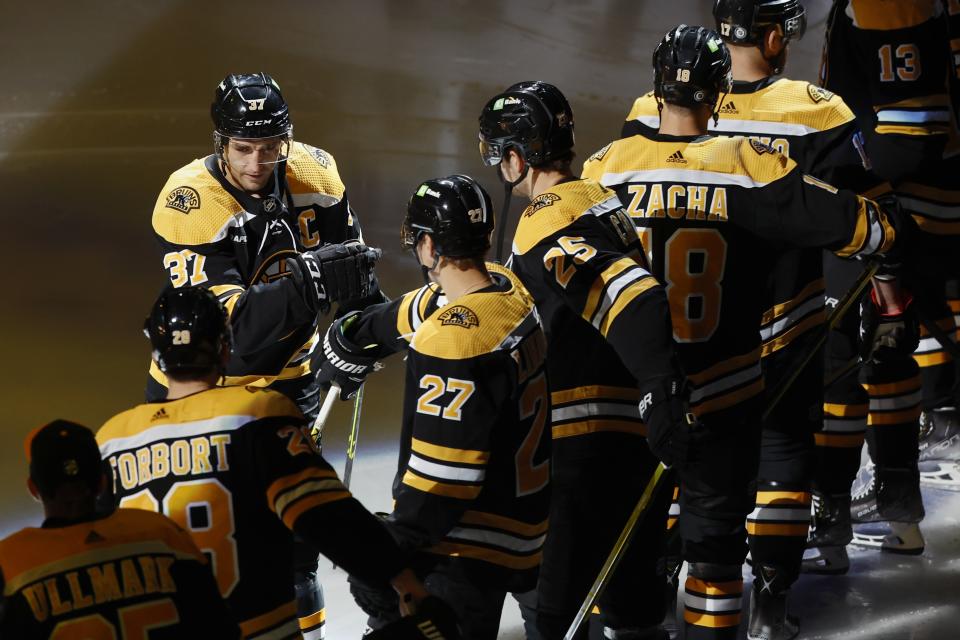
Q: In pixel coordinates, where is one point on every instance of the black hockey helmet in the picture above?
(747, 21)
(250, 105)
(691, 67)
(455, 211)
(534, 118)
(188, 329)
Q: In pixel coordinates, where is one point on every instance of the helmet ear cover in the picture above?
(188, 330)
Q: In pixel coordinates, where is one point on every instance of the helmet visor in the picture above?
(410, 234)
(490, 152)
(256, 151)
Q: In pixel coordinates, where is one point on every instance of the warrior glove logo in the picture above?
(183, 199)
(459, 316)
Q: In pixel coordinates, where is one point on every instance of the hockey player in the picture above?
(709, 208)
(89, 575)
(259, 223)
(236, 467)
(891, 62)
(471, 490)
(819, 132)
(613, 375)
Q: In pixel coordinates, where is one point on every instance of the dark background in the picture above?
(101, 101)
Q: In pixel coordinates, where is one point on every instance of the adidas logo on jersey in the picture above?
(93, 537)
(677, 157)
(159, 415)
(729, 108)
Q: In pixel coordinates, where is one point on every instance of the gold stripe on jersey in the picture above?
(449, 454)
(617, 286)
(715, 161)
(814, 288)
(474, 324)
(887, 15)
(608, 274)
(595, 408)
(228, 295)
(894, 402)
(413, 310)
(496, 521)
(449, 490)
(637, 287)
(220, 408)
(780, 513)
(839, 441)
(273, 624)
(727, 383)
(935, 210)
(559, 208)
(292, 495)
(785, 322)
(782, 108)
(487, 555)
(873, 233)
(922, 116)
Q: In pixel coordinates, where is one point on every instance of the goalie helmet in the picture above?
(188, 329)
(455, 211)
(534, 118)
(747, 21)
(691, 67)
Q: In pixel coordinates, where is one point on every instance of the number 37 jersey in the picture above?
(711, 214)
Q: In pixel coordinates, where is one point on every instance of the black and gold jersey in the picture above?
(892, 61)
(604, 314)
(237, 469)
(127, 575)
(214, 235)
(817, 130)
(474, 467)
(711, 210)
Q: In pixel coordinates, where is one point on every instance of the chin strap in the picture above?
(505, 209)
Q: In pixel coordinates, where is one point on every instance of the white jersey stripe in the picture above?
(694, 176)
(447, 472)
(182, 430)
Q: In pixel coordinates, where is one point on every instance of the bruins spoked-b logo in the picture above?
(183, 199)
(541, 201)
(460, 316)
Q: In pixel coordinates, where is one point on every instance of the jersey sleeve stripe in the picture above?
(812, 290)
(840, 441)
(612, 292)
(301, 506)
(447, 472)
(510, 525)
(255, 626)
(304, 489)
(693, 176)
(730, 364)
(228, 295)
(594, 392)
(596, 290)
(285, 483)
(630, 293)
(487, 555)
(506, 541)
(728, 399)
(594, 425)
(449, 454)
(435, 487)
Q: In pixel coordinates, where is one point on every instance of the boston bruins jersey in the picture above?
(215, 235)
(604, 314)
(891, 61)
(237, 469)
(121, 576)
(708, 208)
(474, 464)
(817, 130)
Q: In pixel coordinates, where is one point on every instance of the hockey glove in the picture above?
(890, 335)
(434, 620)
(380, 603)
(338, 272)
(345, 363)
(671, 428)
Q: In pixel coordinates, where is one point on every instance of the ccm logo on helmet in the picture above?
(256, 123)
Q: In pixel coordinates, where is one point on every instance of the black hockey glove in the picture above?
(434, 620)
(671, 428)
(890, 336)
(380, 603)
(345, 363)
(338, 272)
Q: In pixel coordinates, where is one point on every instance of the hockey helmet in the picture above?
(188, 329)
(691, 67)
(534, 118)
(250, 106)
(455, 211)
(747, 21)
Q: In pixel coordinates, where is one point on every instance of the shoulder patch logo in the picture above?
(598, 155)
(729, 107)
(819, 94)
(677, 156)
(541, 201)
(760, 147)
(459, 316)
(321, 156)
(183, 199)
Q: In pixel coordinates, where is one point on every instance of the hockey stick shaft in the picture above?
(317, 430)
(843, 306)
(616, 554)
(354, 435)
